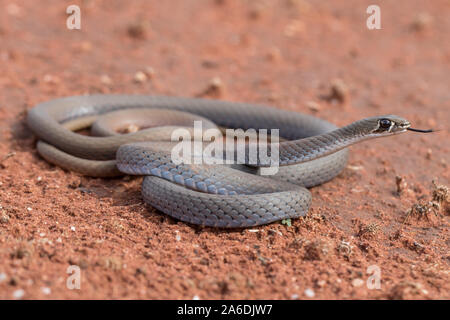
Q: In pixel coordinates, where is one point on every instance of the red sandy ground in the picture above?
(288, 54)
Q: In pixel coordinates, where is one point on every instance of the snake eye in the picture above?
(385, 123)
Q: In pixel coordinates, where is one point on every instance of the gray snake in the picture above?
(210, 195)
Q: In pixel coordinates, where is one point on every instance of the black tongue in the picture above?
(419, 130)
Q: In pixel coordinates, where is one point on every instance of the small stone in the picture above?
(140, 77)
(216, 83)
(310, 293)
(18, 294)
(339, 91)
(113, 263)
(72, 228)
(138, 30)
(357, 282)
(46, 290)
(209, 64)
(441, 193)
(148, 254)
(421, 21)
(150, 72)
(4, 218)
(400, 183)
(321, 283)
(294, 296)
(216, 88)
(274, 55)
(195, 297)
(131, 128)
(313, 106)
(105, 79)
(50, 79)
(3, 277)
(316, 250)
(30, 209)
(355, 168)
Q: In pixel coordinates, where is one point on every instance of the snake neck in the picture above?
(310, 148)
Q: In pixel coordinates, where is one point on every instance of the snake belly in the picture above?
(209, 195)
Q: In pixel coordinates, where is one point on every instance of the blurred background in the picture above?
(284, 52)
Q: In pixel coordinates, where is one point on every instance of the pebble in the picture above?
(400, 183)
(50, 79)
(105, 79)
(72, 228)
(150, 72)
(294, 296)
(4, 218)
(2, 277)
(313, 106)
(421, 21)
(216, 88)
(138, 30)
(339, 90)
(321, 283)
(355, 168)
(357, 282)
(196, 297)
(18, 294)
(140, 77)
(216, 84)
(310, 293)
(46, 290)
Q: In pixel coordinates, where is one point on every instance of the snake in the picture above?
(311, 152)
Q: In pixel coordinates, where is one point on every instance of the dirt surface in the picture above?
(316, 57)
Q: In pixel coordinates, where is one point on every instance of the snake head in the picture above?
(390, 124)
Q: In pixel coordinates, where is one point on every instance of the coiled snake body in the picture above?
(210, 195)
